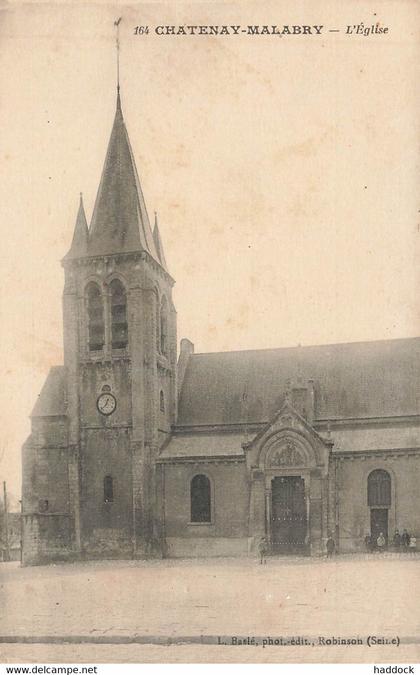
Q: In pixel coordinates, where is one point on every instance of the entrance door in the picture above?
(288, 514)
(378, 524)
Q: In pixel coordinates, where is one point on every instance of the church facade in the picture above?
(135, 452)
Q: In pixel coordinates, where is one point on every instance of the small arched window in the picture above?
(379, 488)
(43, 505)
(96, 325)
(200, 492)
(164, 326)
(119, 327)
(162, 401)
(108, 489)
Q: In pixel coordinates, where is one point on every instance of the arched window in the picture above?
(379, 488)
(162, 401)
(108, 489)
(164, 326)
(157, 305)
(96, 326)
(119, 328)
(200, 491)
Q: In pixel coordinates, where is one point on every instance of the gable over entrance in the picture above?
(288, 440)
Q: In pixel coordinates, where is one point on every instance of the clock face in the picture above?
(106, 404)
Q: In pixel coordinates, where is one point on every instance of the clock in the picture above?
(106, 403)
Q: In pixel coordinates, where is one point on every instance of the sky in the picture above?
(284, 172)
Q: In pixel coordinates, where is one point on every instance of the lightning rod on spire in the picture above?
(117, 42)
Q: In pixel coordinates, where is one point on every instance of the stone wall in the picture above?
(48, 526)
(106, 525)
(352, 505)
(227, 533)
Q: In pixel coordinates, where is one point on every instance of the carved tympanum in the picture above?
(287, 455)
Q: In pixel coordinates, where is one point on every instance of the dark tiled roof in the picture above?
(120, 222)
(204, 445)
(52, 400)
(361, 379)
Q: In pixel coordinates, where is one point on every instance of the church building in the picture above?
(137, 451)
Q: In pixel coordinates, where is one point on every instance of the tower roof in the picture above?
(80, 237)
(158, 244)
(120, 222)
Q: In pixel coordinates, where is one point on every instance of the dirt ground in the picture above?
(192, 610)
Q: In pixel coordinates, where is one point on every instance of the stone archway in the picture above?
(289, 486)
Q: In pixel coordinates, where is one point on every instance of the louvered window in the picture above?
(119, 326)
(164, 326)
(96, 326)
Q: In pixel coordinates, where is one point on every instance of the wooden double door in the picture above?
(288, 515)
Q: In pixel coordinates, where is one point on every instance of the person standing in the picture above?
(381, 542)
(330, 547)
(396, 541)
(405, 540)
(263, 550)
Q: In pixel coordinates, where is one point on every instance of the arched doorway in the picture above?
(288, 473)
(379, 502)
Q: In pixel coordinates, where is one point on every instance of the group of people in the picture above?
(400, 542)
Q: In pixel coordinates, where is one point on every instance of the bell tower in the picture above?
(120, 362)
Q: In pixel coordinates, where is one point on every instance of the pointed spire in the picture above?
(120, 222)
(79, 244)
(158, 244)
